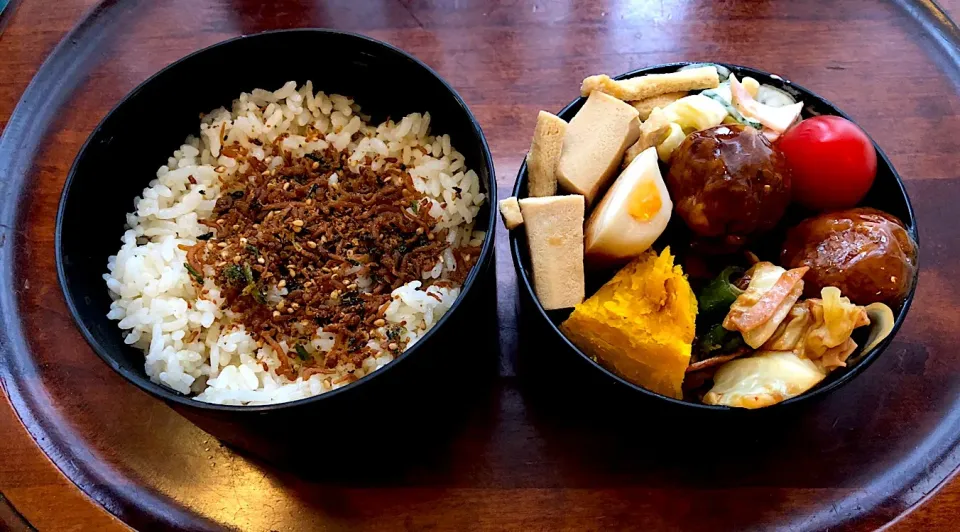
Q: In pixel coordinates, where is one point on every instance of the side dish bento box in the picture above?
(713, 236)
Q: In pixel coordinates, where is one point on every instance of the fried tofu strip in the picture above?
(643, 87)
(645, 107)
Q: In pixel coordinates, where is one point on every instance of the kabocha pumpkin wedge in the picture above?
(640, 324)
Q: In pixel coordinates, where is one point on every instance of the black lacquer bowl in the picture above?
(136, 137)
(887, 194)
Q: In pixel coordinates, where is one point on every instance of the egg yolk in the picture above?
(644, 202)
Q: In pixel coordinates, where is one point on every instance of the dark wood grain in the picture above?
(513, 459)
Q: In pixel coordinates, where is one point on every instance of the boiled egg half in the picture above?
(632, 215)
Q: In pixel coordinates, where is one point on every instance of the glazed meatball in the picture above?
(729, 183)
(866, 253)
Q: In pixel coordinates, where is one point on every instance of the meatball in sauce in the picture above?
(866, 253)
(729, 183)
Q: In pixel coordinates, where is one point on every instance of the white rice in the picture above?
(190, 342)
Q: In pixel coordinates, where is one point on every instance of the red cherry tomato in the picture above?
(832, 160)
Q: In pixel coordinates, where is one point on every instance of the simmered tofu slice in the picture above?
(632, 215)
(594, 144)
(510, 212)
(554, 227)
(545, 155)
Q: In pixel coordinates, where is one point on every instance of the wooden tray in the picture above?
(517, 456)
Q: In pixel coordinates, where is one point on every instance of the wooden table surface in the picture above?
(507, 59)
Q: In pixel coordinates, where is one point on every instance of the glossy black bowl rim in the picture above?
(817, 392)
(158, 390)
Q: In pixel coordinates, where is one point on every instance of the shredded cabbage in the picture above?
(762, 380)
(834, 321)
